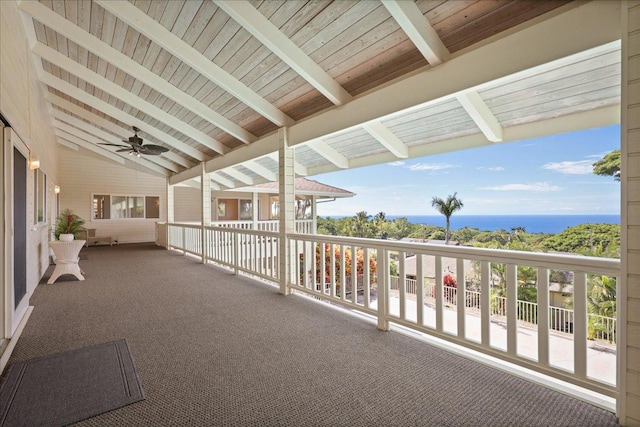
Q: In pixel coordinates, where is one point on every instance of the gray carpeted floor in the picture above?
(215, 349)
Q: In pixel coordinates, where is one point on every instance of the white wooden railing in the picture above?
(471, 318)
(304, 226)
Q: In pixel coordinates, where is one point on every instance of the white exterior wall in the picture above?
(630, 414)
(23, 106)
(187, 204)
(83, 174)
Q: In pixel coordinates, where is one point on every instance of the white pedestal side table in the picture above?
(66, 259)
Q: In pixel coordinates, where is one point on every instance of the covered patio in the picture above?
(212, 348)
(233, 94)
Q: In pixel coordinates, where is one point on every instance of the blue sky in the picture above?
(550, 175)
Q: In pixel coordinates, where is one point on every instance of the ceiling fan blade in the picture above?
(157, 148)
(113, 145)
(122, 150)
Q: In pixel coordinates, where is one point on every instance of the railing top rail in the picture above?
(531, 259)
(244, 231)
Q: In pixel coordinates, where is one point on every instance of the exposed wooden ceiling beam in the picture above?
(329, 153)
(106, 124)
(481, 114)
(118, 114)
(234, 173)
(567, 38)
(418, 29)
(298, 168)
(79, 142)
(153, 30)
(586, 119)
(107, 137)
(387, 139)
(89, 139)
(215, 176)
(124, 95)
(82, 38)
(261, 170)
(262, 29)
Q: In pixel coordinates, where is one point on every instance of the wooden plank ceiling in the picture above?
(206, 78)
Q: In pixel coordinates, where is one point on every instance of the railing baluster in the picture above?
(343, 273)
(543, 316)
(332, 270)
(512, 308)
(580, 323)
(460, 297)
(402, 284)
(354, 274)
(485, 303)
(439, 295)
(366, 279)
(420, 289)
(383, 289)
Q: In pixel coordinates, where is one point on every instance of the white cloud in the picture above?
(580, 167)
(430, 166)
(396, 163)
(536, 186)
(491, 168)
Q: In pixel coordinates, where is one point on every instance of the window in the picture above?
(246, 210)
(40, 195)
(124, 207)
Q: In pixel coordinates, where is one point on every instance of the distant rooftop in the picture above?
(304, 187)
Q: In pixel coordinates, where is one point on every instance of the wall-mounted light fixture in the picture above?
(56, 189)
(34, 162)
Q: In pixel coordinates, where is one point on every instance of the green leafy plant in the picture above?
(68, 223)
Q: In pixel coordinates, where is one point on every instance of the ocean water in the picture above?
(532, 223)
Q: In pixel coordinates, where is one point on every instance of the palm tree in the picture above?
(360, 224)
(447, 208)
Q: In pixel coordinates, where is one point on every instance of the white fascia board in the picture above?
(164, 38)
(565, 37)
(127, 97)
(417, 27)
(118, 114)
(106, 124)
(480, 113)
(269, 35)
(82, 38)
(105, 136)
(329, 153)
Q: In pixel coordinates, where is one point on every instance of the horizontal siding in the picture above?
(187, 203)
(631, 146)
(84, 173)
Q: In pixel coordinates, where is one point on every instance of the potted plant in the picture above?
(68, 225)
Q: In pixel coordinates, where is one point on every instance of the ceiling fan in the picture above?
(136, 148)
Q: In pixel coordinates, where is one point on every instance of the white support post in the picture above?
(543, 316)
(205, 197)
(314, 215)
(170, 210)
(286, 176)
(255, 212)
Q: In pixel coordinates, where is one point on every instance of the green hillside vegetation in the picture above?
(586, 239)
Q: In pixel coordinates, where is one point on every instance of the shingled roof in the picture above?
(304, 187)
